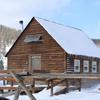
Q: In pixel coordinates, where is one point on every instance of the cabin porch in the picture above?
(50, 79)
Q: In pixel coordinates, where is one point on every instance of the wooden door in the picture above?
(35, 62)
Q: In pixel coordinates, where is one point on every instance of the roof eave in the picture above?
(19, 37)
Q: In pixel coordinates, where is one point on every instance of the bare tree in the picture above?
(7, 38)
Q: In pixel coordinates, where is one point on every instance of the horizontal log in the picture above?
(63, 75)
(7, 79)
(8, 88)
(9, 70)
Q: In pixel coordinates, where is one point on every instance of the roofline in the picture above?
(19, 36)
(60, 24)
(44, 28)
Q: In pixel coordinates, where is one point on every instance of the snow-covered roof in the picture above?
(72, 40)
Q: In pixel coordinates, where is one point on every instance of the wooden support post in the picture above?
(79, 84)
(17, 93)
(51, 87)
(1, 91)
(12, 83)
(48, 84)
(33, 86)
(4, 83)
(22, 85)
(67, 87)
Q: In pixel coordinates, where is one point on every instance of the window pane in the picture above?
(76, 65)
(94, 66)
(33, 38)
(85, 66)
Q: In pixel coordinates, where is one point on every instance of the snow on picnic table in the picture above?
(85, 94)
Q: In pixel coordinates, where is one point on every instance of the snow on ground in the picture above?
(85, 94)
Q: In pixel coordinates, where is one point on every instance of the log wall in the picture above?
(52, 55)
(70, 63)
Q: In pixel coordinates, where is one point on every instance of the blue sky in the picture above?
(82, 14)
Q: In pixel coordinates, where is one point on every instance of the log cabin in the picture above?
(47, 45)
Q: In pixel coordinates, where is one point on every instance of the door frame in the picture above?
(29, 58)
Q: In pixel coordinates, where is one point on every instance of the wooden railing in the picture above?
(6, 77)
(15, 70)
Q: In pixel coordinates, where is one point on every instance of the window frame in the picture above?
(76, 64)
(94, 65)
(86, 64)
(31, 38)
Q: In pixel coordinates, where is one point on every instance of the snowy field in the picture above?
(87, 94)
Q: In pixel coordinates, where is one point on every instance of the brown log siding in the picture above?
(52, 55)
(70, 63)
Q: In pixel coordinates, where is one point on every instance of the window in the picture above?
(33, 38)
(85, 66)
(94, 66)
(76, 65)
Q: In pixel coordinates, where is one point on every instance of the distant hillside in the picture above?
(7, 37)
